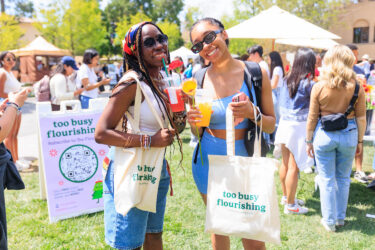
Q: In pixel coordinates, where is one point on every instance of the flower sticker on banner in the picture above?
(53, 152)
(101, 152)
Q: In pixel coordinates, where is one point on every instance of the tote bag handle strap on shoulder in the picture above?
(137, 104)
(231, 135)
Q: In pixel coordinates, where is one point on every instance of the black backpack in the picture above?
(252, 75)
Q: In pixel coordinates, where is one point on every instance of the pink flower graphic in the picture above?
(101, 152)
(53, 152)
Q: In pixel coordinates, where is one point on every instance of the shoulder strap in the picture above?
(353, 100)
(255, 73)
(253, 76)
(199, 76)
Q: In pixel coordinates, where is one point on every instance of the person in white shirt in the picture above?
(277, 76)
(8, 84)
(62, 86)
(88, 79)
(255, 55)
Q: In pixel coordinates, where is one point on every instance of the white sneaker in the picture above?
(296, 201)
(340, 223)
(296, 209)
(360, 176)
(22, 164)
(308, 170)
(329, 228)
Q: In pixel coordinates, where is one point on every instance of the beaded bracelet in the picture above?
(14, 105)
(145, 141)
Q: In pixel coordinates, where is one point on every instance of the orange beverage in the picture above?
(189, 87)
(206, 109)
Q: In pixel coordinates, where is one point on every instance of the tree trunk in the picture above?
(2, 2)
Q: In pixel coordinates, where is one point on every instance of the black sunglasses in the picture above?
(10, 59)
(209, 38)
(151, 42)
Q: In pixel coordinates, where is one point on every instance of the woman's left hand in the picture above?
(310, 150)
(242, 109)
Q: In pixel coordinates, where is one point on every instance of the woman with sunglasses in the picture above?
(224, 79)
(8, 84)
(145, 46)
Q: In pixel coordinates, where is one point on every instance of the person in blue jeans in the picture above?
(334, 151)
(145, 46)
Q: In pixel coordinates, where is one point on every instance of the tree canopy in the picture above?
(75, 25)
(10, 32)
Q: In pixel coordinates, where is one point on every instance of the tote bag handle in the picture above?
(231, 135)
(134, 121)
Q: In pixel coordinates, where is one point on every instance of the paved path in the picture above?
(28, 134)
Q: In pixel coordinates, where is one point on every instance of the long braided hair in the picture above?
(133, 60)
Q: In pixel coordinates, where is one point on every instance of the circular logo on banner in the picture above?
(78, 163)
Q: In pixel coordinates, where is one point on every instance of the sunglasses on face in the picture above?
(9, 59)
(209, 38)
(151, 41)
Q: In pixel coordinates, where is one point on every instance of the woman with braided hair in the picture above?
(145, 46)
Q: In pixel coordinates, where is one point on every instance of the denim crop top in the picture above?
(296, 108)
(219, 107)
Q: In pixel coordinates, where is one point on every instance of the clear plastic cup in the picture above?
(175, 100)
(203, 99)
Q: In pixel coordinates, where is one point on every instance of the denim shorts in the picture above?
(128, 232)
(211, 146)
(84, 101)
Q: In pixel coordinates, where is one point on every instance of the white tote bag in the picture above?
(136, 171)
(241, 196)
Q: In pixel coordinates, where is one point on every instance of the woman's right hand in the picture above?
(105, 81)
(19, 97)
(79, 91)
(163, 138)
(194, 116)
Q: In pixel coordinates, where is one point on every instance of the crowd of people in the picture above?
(299, 106)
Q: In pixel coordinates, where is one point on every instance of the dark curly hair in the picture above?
(136, 62)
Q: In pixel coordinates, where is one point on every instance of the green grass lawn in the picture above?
(29, 227)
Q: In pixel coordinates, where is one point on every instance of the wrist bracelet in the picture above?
(360, 142)
(309, 141)
(14, 105)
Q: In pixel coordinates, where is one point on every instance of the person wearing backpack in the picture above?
(224, 79)
(62, 86)
(8, 84)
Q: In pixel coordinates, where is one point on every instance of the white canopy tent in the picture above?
(310, 43)
(39, 46)
(275, 23)
(184, 53)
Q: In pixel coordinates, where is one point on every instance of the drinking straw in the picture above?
(199, 139)
(166, 72)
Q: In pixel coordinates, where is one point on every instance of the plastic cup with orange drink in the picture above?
(203, 100)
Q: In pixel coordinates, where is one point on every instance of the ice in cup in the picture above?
(203, 100)
(174, 96)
